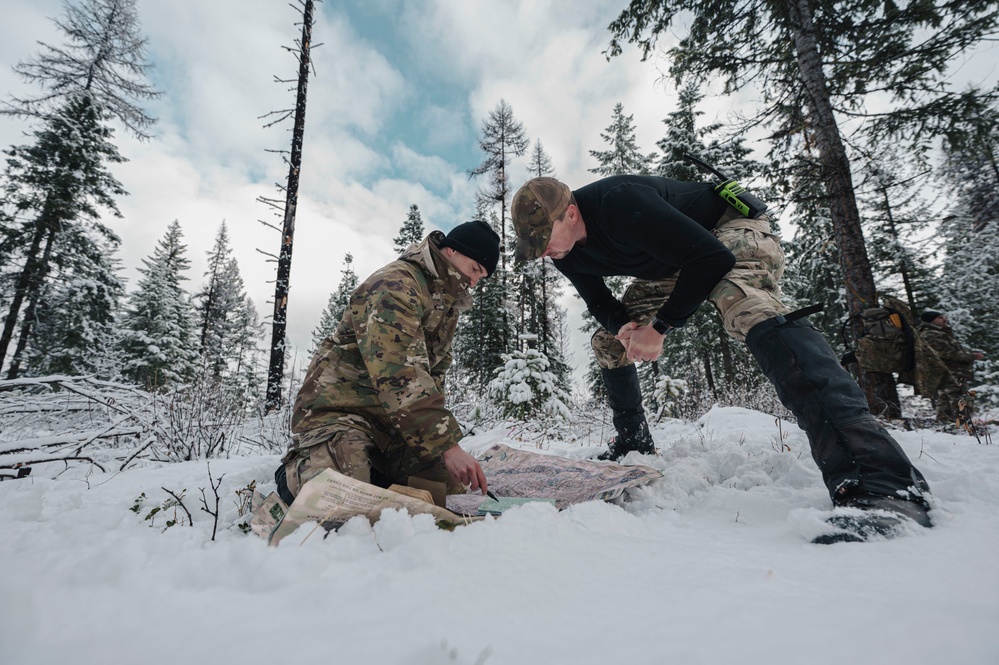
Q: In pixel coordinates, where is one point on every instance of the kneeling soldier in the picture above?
(372, 404)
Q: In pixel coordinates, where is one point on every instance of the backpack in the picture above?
(887, 343)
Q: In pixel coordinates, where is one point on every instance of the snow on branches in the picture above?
(525, 388)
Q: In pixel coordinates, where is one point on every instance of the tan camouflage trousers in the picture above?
(947, 402)
(747, 295)
(354, 452)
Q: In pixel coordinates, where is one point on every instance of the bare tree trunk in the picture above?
(728, 364)
(981, 215)
(33, 293)
(547, 343)
(903, 268)
(878, 387)
(275, 371)
(708, 375)
(24, 282)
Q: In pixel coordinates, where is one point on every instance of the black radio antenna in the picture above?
(696, 162)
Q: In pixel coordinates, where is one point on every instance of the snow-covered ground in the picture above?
(710, 564)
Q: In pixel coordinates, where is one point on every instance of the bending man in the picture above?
(685, 245)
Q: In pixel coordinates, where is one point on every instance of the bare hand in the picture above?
(643, 343)
(465, 468)
(624, 334)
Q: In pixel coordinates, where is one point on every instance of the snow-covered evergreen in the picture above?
(228, 325)
(542, 322)
(411, 231)
(489, 330)
(526, 389)
(484, 333)
(813, 273)
(896, 229)
(338, 302)
(76, 329)
(57, 188)
(159, 335)
(623, 155)
(104, 57)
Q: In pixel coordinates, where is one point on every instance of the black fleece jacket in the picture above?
(647, 227)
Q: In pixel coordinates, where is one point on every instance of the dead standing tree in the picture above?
(275, 370)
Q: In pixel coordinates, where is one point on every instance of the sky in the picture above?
(710, 564)
(394, 112)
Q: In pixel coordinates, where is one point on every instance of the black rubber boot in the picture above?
(624, 394)
(861, 463)
(281, 478)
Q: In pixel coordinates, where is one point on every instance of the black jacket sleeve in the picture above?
(605, 308)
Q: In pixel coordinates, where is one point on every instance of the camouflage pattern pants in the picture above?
(745, 296)
(354, 452)
(948, 400)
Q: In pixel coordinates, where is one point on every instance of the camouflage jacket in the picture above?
(946, 353)
(384, 366)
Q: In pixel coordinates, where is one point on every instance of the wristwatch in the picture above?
(661, 326)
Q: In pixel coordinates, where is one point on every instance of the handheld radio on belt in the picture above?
(732, 192)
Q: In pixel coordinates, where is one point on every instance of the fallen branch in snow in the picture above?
(82, 438)
(77, 414)
(150, 441)
(20, 461)
(46, 381)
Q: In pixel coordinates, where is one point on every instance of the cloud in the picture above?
(430, 169)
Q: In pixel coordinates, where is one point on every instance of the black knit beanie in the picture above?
(928, 315)
(477, 241)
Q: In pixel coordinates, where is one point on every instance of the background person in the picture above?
(948, 369)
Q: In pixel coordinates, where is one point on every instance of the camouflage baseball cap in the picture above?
(536, 206)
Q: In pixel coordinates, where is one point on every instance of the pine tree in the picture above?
(685, 136)
(969, 281)
(503, 138)
(623, 156)
(219, 310)
(158, 336)
(95, 76)
(103, 59)
(228, 325)
(970, 277)
(895, 222)
(814, 273)
(971, 172)
(75, 321)
(526, 389)
(542, 323)
(540, 163)
(490, 330)
(245, 357)
(483, 331)
(56, 185)
(411, 231)
(337, 305)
